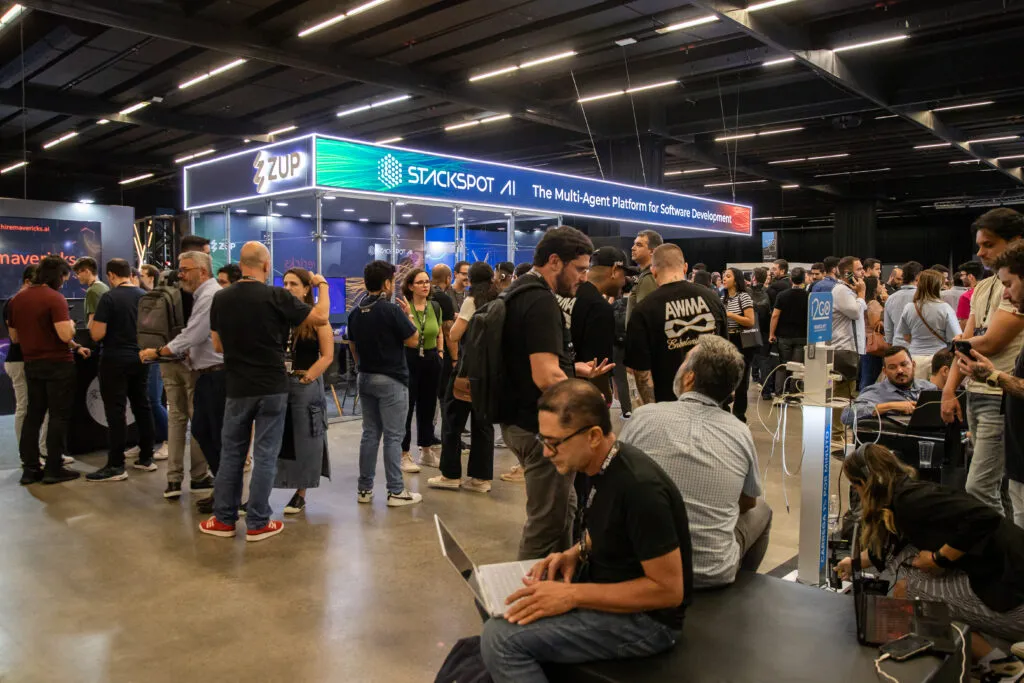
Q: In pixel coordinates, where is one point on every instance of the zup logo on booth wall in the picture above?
(389, 172)
(271, 169)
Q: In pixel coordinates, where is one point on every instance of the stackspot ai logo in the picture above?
(389, 172)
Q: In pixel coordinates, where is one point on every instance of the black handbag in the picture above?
(750, 338)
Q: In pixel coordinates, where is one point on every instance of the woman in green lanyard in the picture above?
(424, 371)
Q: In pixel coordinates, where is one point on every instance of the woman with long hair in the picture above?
(943, 545)
(871, 366)
(739, 310)
(424, 363)
(149, 279)
(304, 457)
(929, 324)
(480, 469)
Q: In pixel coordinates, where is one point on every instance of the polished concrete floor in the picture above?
(110, 582)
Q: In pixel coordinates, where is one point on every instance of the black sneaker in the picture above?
(205, 505)
(60, 476)
(201, 485)
(173, 489)
(296, 505)
(107, 473)
(31, 477)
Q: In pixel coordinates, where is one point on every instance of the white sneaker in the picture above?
(364, 496)
(397, 500)
(408, 465)
(1018, 649)
(477, 485)
(145, 467)
(131, 453)
(514, 475)
(161, 453)
(66, 460)
(498, 441)
(429, 458)
(443, 482)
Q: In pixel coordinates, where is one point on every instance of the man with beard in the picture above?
(897, 393)
(538, 354)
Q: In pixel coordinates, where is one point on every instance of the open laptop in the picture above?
(491, 583)
(928, 414)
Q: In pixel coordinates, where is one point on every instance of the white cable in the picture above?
(963, 653)
(878, 668)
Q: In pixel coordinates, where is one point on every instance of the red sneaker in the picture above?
(215, 528)
(273, 528)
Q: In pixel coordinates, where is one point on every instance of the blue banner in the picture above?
(819, 317)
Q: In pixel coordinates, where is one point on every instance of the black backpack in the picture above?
(762, 308)
(480, 378)
(161, 316)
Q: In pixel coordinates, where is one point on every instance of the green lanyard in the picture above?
(421, 325)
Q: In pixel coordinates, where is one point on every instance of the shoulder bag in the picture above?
(750, 337)
(917, 308)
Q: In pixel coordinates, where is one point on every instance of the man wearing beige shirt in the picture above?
(996, 330)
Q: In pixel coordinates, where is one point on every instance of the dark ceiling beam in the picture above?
(253, 44)
(792, 41)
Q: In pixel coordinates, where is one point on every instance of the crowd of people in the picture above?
(624, 527)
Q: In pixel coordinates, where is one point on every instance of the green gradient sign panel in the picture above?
(357, 166)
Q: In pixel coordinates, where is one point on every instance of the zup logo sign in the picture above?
(271, 169)
(389, 172)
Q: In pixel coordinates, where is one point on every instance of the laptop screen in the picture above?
(453, 552)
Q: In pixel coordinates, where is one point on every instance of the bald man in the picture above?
(250, 323)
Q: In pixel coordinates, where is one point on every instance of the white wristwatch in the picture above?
(993, 379)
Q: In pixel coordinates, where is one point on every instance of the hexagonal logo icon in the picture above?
(389, 172)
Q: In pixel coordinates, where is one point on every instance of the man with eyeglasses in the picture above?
(622, 591)
(897, 393)
(198, 382)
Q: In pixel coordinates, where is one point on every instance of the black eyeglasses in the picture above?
(553, 444)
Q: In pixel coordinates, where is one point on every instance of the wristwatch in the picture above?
(993, 379)
(942, 561)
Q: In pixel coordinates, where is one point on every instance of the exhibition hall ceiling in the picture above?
(787, 105)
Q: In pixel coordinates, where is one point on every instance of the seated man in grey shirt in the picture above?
(710, 456)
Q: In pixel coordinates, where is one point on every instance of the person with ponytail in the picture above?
(943, 545)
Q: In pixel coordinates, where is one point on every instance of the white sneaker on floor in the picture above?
(131, 453)
(161, 453)
(499, 442)
(406, 497)
(65, 460)
(145, 467)
(443, 482)
(514, 475)
(477, 485)
(429, 458)
(364, 496)
(408, 465)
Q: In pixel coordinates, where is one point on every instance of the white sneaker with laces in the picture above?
(429, 458)
(161, 453)
(364, 496)
(477, 485)
(408, 464)
(131, 453)
(443, 482)
(406, 497)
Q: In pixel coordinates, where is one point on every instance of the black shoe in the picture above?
(31, 477)
(60, 476)
(296, 505)
(199, 485)
(205, 505)
(107, 473)
(173, 489)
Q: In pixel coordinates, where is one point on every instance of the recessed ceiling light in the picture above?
(970, 105)
(329, 197)
(281, 204)
(776, 62)
(406, 215)
(129, 181)
(871, 43)
(275, 215)
(934, 145)
(279, 131)
(349, 210)
(738, 182)
(86, 201)
(1001, 138)
(364, 220)
(241, 210)
(305, 215)
(700, 21)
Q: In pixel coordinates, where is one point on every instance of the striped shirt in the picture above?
(737, 304)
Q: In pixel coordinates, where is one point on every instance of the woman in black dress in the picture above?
(739, 309)
(304, 457)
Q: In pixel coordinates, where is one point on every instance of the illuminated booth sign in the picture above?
(361, 168)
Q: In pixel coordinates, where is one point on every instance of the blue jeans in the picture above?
(985, 473)
(870, 369)
(156, 403)
(385, 404)
(513, 653)
(267, 412)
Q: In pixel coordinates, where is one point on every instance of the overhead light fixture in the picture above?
(354, 110)
(364, 220)
(281, 204)
(327, 23)
(743, 136)
(871, 43)
(738, 182)
(13, 167)
(868, 170)
(281, 131)
(399, 203)
(1011, 156)
(102, 122)
(459, 126)
(790, 187)
(492, 74)
(841, 155)
(329, 197)
(669, 174)
(700, 21)
(241, 210)
(652, 86)
(86, 201)
(389, 141)
(625, 42)
(787, 161)
(774, 218)
(768, 3)
(372, 105)
(699, 170)
(602, 96)
(129, 181)
(934, 145)
(887, 116)
(1001, 138)
(349, 210)
(639, 88)
(775, 62)
(499, 117)
(970, 105)
(11, 14)
(305, 215)
(548, 59)
(210, 74)
(196, 155)
(62, 138)
(134, 108)
(965, 161)
(406, 215)
(276, 215)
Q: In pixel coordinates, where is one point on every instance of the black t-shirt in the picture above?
(379, 328)
(637, 514)
(792, 305)
(592, 325)
(447, 310)
(14, 350)
(119, 309)
(1014, 417)
(305, 351)
(778, 287)
(533, 324)
(253, 321)
(665, 326)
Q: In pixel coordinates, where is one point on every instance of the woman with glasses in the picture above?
(424, 363)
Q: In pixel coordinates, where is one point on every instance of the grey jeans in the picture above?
(180, 385)
(16, 371)
(550, 497)
(753, 530)
(985, 474)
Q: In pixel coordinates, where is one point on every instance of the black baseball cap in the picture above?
(612, 256)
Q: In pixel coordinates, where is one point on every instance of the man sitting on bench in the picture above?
(897, 393)
(622, 592)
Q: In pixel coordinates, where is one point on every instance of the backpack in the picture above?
(464, 664)
(482, 369)
(161, 317)
(762, 307)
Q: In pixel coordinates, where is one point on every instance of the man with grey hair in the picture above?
(200, 382)
(710, 456)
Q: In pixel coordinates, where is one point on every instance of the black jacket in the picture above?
(929, 516)
(777, 287)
